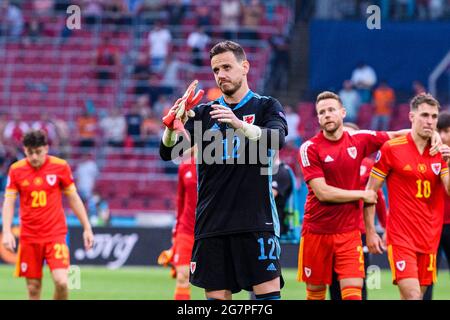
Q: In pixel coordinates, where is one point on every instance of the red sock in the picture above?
(351, 293)
(182, 293)
(316, 294)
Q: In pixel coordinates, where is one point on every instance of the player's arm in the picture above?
(77, 206)
(374, 242)
(436, 140)
(326, 193)
(8, 239)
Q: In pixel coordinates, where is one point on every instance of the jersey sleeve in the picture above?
(66, 180)
(274, 116)
(12, 188)
(310, 162)
(444, 168)
(382, 165)
(370, 141)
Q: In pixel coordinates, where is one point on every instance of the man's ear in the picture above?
(246, 66)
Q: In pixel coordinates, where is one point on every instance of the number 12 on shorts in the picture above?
(271, 242)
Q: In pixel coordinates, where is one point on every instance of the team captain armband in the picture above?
(444, 172)
(70, 189)
(11, 193)
(378, 174)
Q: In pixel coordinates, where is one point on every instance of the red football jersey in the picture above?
(40, 190)
(186, 198)
(415, 192)
(339, 163)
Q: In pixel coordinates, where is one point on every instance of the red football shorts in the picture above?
(182, 249)
(31, 257)
(406, 263)
(320, 254)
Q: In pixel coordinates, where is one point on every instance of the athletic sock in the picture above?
(351, 293)
(276, 295)
(316, 294)
(182, 293)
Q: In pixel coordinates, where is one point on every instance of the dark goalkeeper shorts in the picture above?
(235, 262)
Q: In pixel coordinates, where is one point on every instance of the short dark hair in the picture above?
(443, 120)
(228, 46)
(35, 139)
(423, 98)
(328, 95)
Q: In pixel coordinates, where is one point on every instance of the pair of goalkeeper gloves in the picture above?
(181, 111)
(165, 260)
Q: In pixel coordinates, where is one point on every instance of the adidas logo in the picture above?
(271, 267)
(407, 168)
(329, 159)
(25, 183)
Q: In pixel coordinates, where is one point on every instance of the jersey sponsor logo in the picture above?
(307, 272)
(193, 266)
(422, 168)
(401, 265)
(249, 118)
(24, 266)
(436, 167)
(51, 179)
(352, 152)
(38, 181)
(304, 153)
(407, 168)
(328, 159)
(271, 267)
(378, 157)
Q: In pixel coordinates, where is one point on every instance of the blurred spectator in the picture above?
(150, 131)
(253, 14)
(170, 81)
(93, 11)
(114, 128)
(107, 61)
(141, 74)
(176, 10)
(351, 101)
(150, 11)
(43, 7)
(63, 133)
(161, 107)
(418, 88)
(34, 30)
(46, 125)
(3, 123)
(404, 9)
(437, 8)
(197, 41)
(383, 100)
(11, 20)
(159, 40)
(293, 120)
(134, 124)
(143, 105)
(86, 174)
(98, 209)
(364, 78)
(230, 16)
(87, 129)
(117, 13)
(213, 93)
(15, 130)
(203, 11)
(280, 61)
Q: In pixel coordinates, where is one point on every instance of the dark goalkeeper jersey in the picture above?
(234, 174)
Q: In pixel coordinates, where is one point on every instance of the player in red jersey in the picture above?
(331, 239)
(416, 182)
(179, 255)
(39, 181)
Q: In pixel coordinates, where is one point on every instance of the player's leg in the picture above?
(34, 287)
(349, 264)
(315, 264)
(60, 280)
(218, 294)
(182, 289)
(427, 271)
(183, 244)
(58, 260)
(409, 289)
(335, 288)
(30, 258)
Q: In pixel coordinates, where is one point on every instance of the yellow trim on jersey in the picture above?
(434, 269)
(391, 262)
(56, 160)
(444, 172)
(70, 189)
(398, 140)
(376, 176)
(300, 261)
(19, 164)
(17, 268)
(379, 171)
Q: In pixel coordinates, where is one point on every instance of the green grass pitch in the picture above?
(154, 283)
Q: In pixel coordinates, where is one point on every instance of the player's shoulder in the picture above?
(19, 164)
(266, 100)
(57, 161)
(359, 133)
(396, 142)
